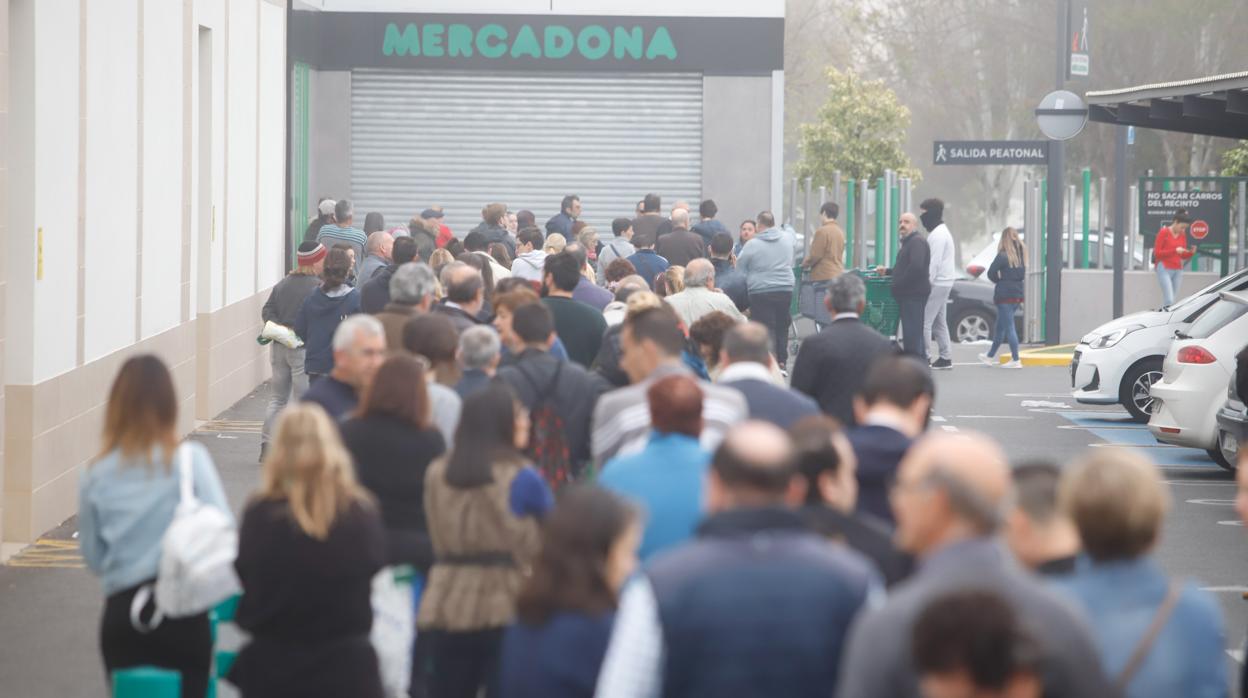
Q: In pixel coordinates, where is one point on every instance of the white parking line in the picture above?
(938, 419)
(990, 416)
(1226, 589)
(1201, 483)
(949, 428)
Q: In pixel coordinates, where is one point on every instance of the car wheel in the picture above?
(1220, 457)
(972, 326)
(1135, 394)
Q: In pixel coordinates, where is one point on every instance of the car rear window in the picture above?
(1218, 316)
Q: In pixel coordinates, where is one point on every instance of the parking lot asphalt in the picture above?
(50, 605)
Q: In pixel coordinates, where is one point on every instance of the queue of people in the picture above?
(589, 512)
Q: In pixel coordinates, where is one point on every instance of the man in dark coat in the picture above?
(911, 284)
(375, 293)
(831, 365)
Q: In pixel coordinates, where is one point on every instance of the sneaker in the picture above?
(942, 365)
(989, 360)
(1014, 364)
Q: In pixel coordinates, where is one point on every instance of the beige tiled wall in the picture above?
(53, 429)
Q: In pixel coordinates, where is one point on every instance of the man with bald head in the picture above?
(700, 297)
(911, 285)
(667, 225)
(950, 498)
(465, 295)
(746, 362)
(756, 604)
(377, 255)
(681, 245)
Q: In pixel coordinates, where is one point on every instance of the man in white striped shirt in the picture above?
(651, 343)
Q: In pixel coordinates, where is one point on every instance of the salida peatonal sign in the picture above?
(990, 153)
(420, 41)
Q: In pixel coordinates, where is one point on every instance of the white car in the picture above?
(1118, 362)
(1195, 375)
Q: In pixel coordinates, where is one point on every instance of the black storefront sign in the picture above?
(418, 41)
(990, 153)
(1210, 210)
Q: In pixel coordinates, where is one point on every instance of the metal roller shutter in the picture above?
(466, 139)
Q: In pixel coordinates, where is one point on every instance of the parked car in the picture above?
(983, 259)
(1195, 376)
(1232, 424)
(971, 314)
(1118, 362)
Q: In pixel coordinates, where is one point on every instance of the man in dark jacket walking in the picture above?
(708, 227)
(756, 605)
(727, 278)
(290, 379)
(832, 364)
(569, 211)
(536, 376)
(911, 284)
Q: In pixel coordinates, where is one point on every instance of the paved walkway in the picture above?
(50, 604)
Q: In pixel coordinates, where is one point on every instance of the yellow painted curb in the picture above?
(1060, 355)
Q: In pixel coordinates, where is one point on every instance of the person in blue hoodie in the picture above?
(767, 262)
(321, 312)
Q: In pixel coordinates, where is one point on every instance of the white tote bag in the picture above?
(197, 553)
(394, 631)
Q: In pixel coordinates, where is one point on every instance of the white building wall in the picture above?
(163, 126)
(111, 182)
(240, 231)
(271, 214)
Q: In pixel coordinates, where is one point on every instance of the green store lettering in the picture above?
(593, 42)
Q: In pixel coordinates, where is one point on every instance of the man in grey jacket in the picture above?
(767, 262)
(949, 500)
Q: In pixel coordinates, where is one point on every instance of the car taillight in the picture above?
(1195, 355)
(974, 270)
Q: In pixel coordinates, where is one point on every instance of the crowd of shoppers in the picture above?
(630, 499)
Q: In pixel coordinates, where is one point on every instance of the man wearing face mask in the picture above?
(942, 275)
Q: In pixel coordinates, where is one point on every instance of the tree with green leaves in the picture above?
(1235, 161)
(860, 131)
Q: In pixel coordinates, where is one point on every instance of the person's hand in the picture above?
(879, 271)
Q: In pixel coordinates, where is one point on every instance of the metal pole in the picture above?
(1121, 231)
(1100, 220)
(1087, 214)
(888, 203)
(1056, 192)
(1243, 224)
(1133, 223)
(861, 251)
(1070, 227)
(881, 205)
(792, 200)
(1029, 309)
(851, 259)
(806, 231)
(836, 188)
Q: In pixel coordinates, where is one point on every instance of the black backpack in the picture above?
(548, 447)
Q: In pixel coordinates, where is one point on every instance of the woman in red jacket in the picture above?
(1169, 252)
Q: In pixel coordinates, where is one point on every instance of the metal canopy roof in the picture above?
(1212, 106)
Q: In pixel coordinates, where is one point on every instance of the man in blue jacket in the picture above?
(569, 211)
(767, 262)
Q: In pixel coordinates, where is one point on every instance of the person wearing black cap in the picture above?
(290, 380)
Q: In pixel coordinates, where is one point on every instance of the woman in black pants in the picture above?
(126, 502)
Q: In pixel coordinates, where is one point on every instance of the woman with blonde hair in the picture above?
(127, 498)
(1009, 272)
(310, 543)
(555, 242)
(670, 282)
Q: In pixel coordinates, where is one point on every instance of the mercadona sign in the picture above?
(593, 42)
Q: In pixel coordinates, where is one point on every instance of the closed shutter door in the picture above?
(462, 140)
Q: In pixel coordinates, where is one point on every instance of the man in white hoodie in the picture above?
(942, 274)
(530, 259)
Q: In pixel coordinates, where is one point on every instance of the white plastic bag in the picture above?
(394, 631)
(281, 334)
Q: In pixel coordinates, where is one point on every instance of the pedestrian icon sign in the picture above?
(941, 154)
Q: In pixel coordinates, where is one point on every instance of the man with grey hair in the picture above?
(359, 349)
(700, 297)
(413, 290)
(586, 290)
(479, 352)
(342, 230)
(746, 360)
(465, 295)
(681, 245)
(377, 254)
(832, 364)
(950, 498)
(667, 225)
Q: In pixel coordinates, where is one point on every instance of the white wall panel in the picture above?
(20, 260)
(111, 186)
(55, 171)
(163, 125)
(240, 241)
(272, 145)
